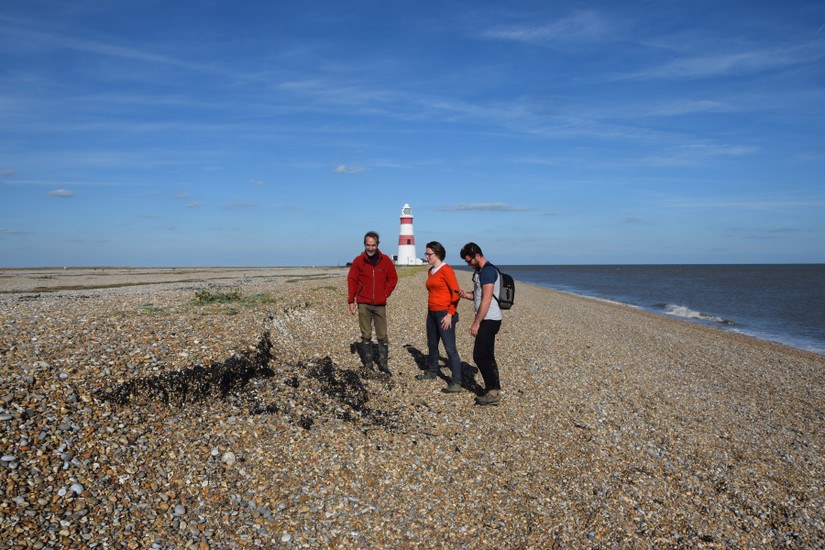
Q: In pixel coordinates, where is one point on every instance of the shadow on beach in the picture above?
(468, 372)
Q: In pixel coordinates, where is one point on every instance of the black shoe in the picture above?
(488, 399)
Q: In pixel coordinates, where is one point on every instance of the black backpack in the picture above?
(507, 289)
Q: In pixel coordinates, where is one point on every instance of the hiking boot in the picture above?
(365, 353)
(383, 357)
(427, 375)
(452, 387)
(488, 399)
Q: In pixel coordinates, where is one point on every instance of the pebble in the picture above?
(134, 416)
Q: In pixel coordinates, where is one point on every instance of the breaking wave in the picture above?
(686, 312)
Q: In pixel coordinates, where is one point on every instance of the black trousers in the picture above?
(484, 353)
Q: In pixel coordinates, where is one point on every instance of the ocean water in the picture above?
(782, 303)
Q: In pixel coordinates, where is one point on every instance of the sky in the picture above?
(274, 133)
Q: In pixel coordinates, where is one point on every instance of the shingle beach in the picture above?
(224, 408)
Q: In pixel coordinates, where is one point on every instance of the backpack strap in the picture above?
(498, 301)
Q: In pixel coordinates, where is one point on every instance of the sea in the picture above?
(779, 302)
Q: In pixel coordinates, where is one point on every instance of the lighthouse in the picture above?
(406, 239)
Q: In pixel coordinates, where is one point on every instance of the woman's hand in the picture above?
(446, 322)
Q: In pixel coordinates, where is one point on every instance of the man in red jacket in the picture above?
(371, 280)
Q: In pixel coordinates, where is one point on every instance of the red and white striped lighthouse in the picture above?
(406, 239)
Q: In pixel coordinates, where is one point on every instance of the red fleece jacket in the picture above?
(371, 283)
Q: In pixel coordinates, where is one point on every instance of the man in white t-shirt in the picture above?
(487, 320)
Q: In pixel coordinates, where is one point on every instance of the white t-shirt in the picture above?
(488, 274)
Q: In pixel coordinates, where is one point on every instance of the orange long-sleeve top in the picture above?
(441, 287)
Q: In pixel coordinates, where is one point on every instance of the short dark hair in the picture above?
(438, 249)
(470, 249)
(372, 235)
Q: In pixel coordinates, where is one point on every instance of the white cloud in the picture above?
(53, 39)
(487, 207)
(585, 26)
(691, 107)
(696, 153)
(62, 193)
(744, 203)
(343, 169)
(728, 63)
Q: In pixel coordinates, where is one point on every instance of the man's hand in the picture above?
(353, 307)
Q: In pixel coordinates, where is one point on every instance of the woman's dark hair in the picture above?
(471, 249)
(436, 247)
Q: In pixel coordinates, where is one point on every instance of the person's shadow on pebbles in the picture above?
(468, 372)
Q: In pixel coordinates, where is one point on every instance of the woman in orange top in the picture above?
(442, 289)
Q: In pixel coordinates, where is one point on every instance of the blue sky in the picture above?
(276, 133)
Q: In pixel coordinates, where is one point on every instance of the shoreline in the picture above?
(59, 279)
(617, 426)
(708, 324)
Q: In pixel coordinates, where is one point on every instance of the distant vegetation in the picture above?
(229, 296)
(210, 297)
(405, 271)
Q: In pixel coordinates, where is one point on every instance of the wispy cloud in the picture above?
(55, 40)
(742, 203)
(62, 193)
(696, 153)
(240, 206)
(487, 207)
(584, 26)
(7, 172)
(726, 63)
(690, 107)
(343, 169)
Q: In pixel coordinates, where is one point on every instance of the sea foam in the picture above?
(684, 311)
